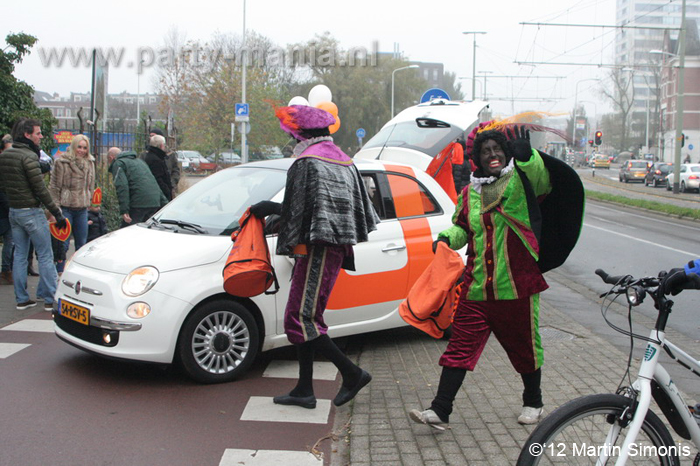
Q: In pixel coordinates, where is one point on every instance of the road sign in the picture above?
(434, 93)
(245, 127)
(242, 113)
(360, 133)
(690, 147)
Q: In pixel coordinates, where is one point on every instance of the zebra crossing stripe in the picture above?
(239, 457)
(8, 349)
(31, 325)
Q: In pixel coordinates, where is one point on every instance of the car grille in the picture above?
(86, 333)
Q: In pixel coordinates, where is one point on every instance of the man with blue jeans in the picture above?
(21, 179)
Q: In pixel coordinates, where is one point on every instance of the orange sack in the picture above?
(248, 271)
(430, 303)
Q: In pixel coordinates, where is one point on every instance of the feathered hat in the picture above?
(503, 125)
(296, 119)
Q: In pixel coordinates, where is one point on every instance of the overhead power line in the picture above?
(602, 26)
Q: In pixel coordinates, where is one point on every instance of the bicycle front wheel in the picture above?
(575, 434)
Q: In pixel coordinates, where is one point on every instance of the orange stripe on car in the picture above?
(362, 290)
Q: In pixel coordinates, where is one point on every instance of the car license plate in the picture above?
(74, 312)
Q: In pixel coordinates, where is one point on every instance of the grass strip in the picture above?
(668, 209)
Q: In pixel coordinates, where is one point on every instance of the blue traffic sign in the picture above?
(360, 133)
(690, 147)
(242, 110)
(434, 93)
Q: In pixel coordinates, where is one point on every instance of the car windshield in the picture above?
(218, 201)
(408, 134)
(638, 164)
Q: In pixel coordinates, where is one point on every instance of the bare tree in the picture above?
(621, 95)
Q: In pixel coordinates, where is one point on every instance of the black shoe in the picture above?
(308, 402)
(346, 394)
(32, 272)
(25, 305)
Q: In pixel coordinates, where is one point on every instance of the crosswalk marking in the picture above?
(8, 349)
(238, 457)
(290, 370)
(261, 408)
(31, 325)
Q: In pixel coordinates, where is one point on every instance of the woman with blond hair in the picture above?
(71, 186)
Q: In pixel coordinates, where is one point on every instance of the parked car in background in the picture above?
(197, 163)
(633, 170)
(265, 152)
(226, 158)
(657, 174)
(689, 178)
(153, 305)
(601, 161)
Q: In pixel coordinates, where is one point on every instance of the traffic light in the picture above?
(682, 139)
(598, 138)
(590, 142)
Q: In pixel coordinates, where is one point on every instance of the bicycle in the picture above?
(620, 428)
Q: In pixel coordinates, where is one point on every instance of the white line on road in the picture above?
(238, 457)
(694, 254)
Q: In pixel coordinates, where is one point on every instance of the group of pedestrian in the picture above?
(142, 188)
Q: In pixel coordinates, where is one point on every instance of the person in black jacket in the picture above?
(156, 159)
(97, 225)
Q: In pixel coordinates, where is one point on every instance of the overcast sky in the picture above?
(424, 31)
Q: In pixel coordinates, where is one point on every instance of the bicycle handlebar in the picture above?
(613, 280)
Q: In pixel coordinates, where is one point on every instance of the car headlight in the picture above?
(140, 280)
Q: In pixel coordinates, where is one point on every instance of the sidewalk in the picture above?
(483, 427)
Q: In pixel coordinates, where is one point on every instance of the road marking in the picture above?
(31, 325)
(647, 217)
(236, 457)
(8, 349)
(694, 254)
(261, 408)
(290, 370)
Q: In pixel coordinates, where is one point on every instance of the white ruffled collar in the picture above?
(478, 182)
(303, 145)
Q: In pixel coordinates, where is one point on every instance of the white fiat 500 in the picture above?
(154, 291)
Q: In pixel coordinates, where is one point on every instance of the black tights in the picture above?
(451, 380)
(325, 346)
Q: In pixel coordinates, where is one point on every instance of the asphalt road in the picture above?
(63, 406)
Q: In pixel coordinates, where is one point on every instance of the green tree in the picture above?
(361, 88)
(17, 97)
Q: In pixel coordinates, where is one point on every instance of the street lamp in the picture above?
(573, 122)
(392, 84)
(244, 65)
(473, 61)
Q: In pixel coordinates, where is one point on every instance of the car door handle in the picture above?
(398, 247)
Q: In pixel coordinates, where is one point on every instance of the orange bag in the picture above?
(248, 271)
(431, 301)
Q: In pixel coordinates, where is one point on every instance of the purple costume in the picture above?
(326, 210)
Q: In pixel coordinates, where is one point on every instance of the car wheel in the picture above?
(683, 186)
(626, 180)
(668, 186)
(654, 183)
(218, 342)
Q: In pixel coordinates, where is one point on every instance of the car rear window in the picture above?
(695, 169)
(638, 164)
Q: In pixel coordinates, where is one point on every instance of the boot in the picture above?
(6, 278)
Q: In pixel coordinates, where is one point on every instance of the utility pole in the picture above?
(679, 104)
(474, 33)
